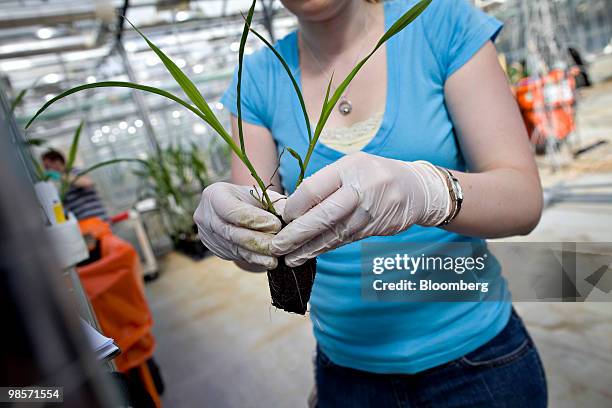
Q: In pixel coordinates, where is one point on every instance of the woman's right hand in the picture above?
(234, 226)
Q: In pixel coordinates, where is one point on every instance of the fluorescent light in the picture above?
(131, 46)
(138, 123)
(181, 63)
(176, 114)
(131, 130)
(152, 61)
(235, 46)
(199, 129)
(105, 129)
(91, 79)
(15, 65)
(182, 16)
(51, 78)
(123, 125)
(198, 68)
(45, 33)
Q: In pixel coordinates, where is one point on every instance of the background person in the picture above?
(433, 95)
(81, 198)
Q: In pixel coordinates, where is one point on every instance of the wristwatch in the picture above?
(455, 193)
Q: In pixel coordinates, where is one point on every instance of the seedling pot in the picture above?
(290, 287)
(193, 248)
(190, 245)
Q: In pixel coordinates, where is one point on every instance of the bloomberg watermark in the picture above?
(477, 271)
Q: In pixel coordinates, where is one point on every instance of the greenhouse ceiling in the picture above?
(48, 46)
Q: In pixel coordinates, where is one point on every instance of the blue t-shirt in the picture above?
(386, 337)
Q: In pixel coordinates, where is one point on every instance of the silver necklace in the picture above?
(345, 106)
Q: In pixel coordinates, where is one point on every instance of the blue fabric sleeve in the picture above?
(254, 100)
(457, 31)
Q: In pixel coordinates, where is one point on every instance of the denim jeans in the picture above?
(505, 372)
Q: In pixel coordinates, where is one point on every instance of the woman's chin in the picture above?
(315, 10)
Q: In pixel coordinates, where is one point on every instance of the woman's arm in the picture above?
(502, 192)
(362, 195)
(261, 150)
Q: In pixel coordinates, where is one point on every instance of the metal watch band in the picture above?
(456, 195)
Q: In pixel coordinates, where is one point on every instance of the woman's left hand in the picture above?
(358, 196)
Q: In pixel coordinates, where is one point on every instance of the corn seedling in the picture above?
(175, 179)
(330, 102)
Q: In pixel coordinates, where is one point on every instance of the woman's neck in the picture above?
(338, 33)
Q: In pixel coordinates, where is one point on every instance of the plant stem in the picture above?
(244, 159)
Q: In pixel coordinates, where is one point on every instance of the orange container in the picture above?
(548, 105)
(116, 291)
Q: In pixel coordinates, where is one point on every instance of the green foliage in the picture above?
(34, 141)
(243, 38)
(330, 103)
(18, 99)
(176, 181)
(74, 146)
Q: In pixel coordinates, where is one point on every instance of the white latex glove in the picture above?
(358, 196)
(234, 226)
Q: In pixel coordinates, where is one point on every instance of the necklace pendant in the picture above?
(345, 107)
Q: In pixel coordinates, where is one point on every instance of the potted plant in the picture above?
(176, 179)
(290, 287)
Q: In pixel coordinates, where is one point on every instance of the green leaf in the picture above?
(74, 146)
(119, 84)
(18, 99)
(299, 160)
(243, 38)
(141, 173)
(186, 84)
(296, 87)
(65, 186)
(403, 22)
(398, 26)
(107, 163)
(320, 124)
(35, 141)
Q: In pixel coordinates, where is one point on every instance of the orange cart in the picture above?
(116, 291)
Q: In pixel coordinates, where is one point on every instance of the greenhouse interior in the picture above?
(165, 243)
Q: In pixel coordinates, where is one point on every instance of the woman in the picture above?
(433, 95)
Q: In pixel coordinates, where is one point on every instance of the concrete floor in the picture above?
(221, 344)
